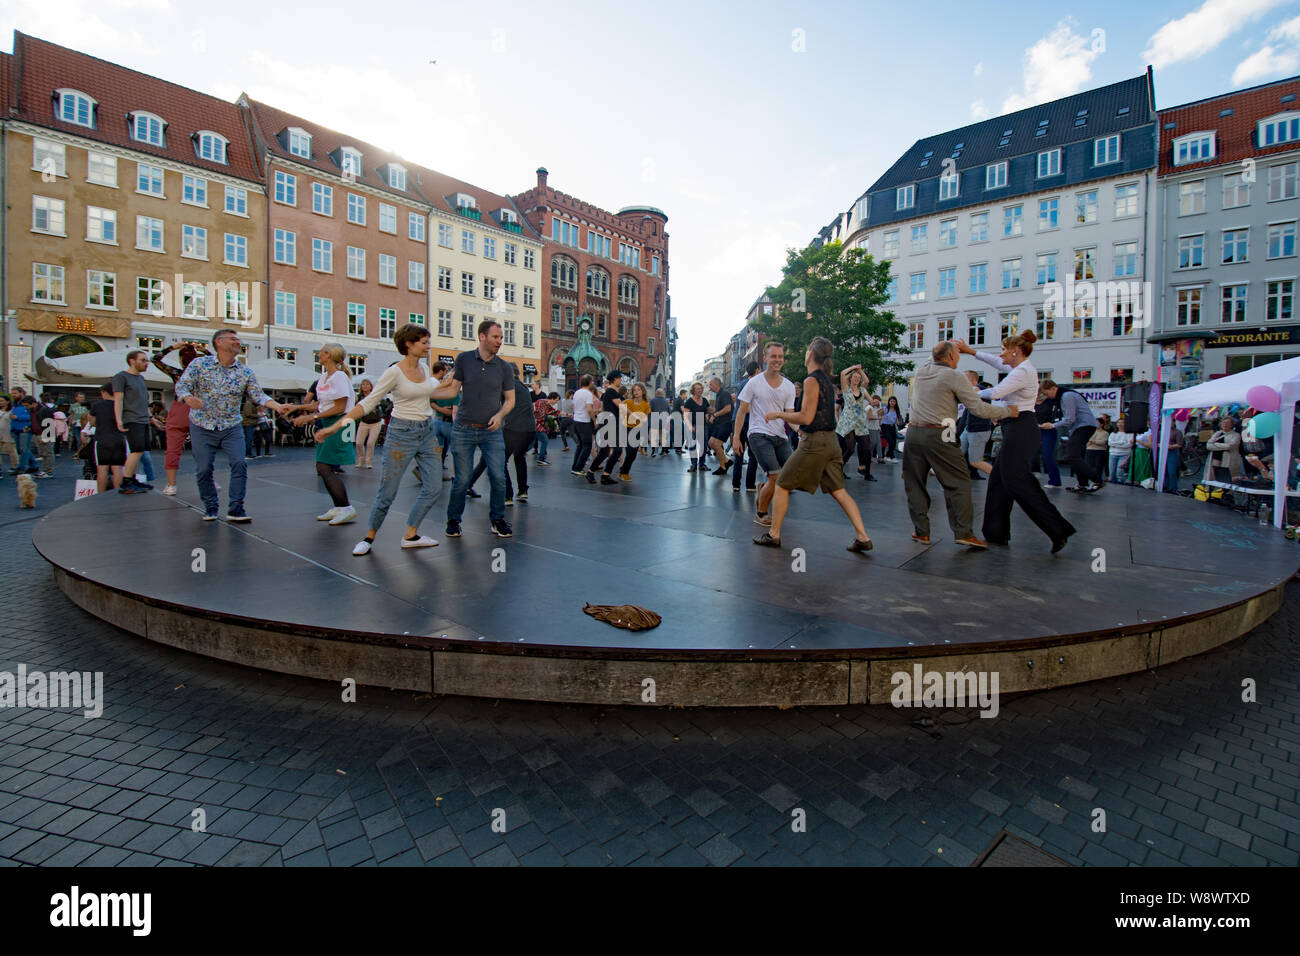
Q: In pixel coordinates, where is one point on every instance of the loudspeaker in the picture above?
(1136, 403)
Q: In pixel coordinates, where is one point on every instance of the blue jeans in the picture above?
(407, 441)
(1049, 457)
(442, 430)
(26, 459)
(1171, 469)
(250, 431)
(543, 440)
(146, 465)
(204, 442)
(493, 447)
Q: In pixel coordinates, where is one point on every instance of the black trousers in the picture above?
(1012, 483)
(751, 469)
(1075, 451)
(584, 433)
(862, 443)
(890, 434)
(516, 448)
(609, 457)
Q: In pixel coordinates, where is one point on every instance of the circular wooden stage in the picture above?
(1148, 579)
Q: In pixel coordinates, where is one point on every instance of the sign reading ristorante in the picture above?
(108, 326)
(1282, 335)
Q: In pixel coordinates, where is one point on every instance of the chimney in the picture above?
(541, 177)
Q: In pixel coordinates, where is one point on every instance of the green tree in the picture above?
(839, 293)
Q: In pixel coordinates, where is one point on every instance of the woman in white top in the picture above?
(1011, 481)
(411, 436)
(585, 403)
(334, 398)
(1120, 445)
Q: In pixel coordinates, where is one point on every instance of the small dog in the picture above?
(26, 491)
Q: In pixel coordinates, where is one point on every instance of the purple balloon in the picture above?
(1264, 399)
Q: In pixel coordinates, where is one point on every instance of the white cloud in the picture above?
(75, 24)
(979, 69)
(1197, 33)
(979, 110)
(1280, 56)
(1057, 65)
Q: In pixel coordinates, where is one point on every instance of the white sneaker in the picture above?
(423, 541)
(169, 490)
(344, 515)
(363, 547)
(328, 516)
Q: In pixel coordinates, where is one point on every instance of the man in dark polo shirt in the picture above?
(486, 386)
(720, 430)
(131, 400)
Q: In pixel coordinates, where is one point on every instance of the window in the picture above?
(622, 328)
(979, 278)
(322, 314)
(628, 255)
(300, 143)
(489, 247)
(147, 128)
(916, 335)
(149, 180)
(1083, 321)
(1084, 261)
(50, 159)
(415, 318)
(1126, 259)
(1044, 325)
(654, 265)
(979, 227)
(350, 163)
(905, 197)
(564, 273)
(236, 250)
(286, 247)
(1082, 376)
(508, 252)
(467, 283)
(101, 169)
(387, 323)
(1010, 274)
(919, 240)
(948, 186)
(466, 325)
(357, 210)
(1013, 221)
(47, 283)
(387, 218)
(1236, 245)
(891, 289)
(210, 146)
(1234, 303)
(445, 235)
(322, 255)
(415, 226)
(918, 287)
(947, 233)
(357, 364)
(947, 281)
(466, 241)
(1236, 190)
(76, 108)
(976, 333)
(995, 176)
(1085, 207)
(1126, 200)
(1046, 267)
(1193, 148)
(1049, 211)
(322, 199)
(286, 355)
(444, 322)
(1189, 307)
(508, 332)
(1191, 198)
(600, 325)
(945, 330)
(149, 233)
(530, 259)
(194, 242)
(1281, 240)
(1282, 182)
(396, 177)
(555, 316)
(194, 301)
(387, 269)
(149, 295)
(1106, 150)
(599, 245)
(598, 283)
(1049, 163)
(101, 290)
(49, 216)
(236, 201)
(286, 314)
(286, 188)
(861, 208)
(356, 318)
(237, 309)
(1284, 128)
(1191, 252)
(1122, 319)
(1011, 322)
(444, 279)
(489, 287)
(629, 291)
(528, 297)
(356, 262)
(415, 276)
(194, 190)
(1281, 300)
(891, 243)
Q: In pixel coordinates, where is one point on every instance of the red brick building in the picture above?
(609, 267)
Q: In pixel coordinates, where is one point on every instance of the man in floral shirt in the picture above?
(214, 386)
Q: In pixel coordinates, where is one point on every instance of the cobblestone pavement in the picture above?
(288, 774)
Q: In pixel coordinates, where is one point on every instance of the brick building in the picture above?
(611, 268)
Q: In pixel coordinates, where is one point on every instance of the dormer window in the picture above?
(210, 146)
(905, 197)
(300, 142)
(148, 128)
(1283, 128)
(1193, 148)
(351, 162)
(508, 215)
(75, 107)
(397, 176)
(465, 201)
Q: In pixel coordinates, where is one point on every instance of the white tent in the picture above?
(92, 367)
(281, 375)
(1283, 377)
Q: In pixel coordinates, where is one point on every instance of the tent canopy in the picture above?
(1232, 389)
(92, 368)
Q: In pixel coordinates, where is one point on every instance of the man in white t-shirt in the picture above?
(769, 392)
(585, 405)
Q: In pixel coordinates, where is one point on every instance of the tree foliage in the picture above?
(839, 293)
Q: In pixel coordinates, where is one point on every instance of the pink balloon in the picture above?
(1182, 414)
(1264, 399)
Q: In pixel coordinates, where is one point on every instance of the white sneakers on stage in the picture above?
(423, 541)
(344, 515)
(328, 516)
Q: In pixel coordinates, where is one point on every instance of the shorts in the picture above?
(109, 451)
(721, 431)
(816, 463)
(770, 451)
(137, 437)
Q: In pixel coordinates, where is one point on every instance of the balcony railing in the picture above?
(514, 227)
(469, 212)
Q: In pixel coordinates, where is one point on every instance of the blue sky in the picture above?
(751, 124)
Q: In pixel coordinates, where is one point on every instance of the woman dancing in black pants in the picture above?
(1010, 480)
